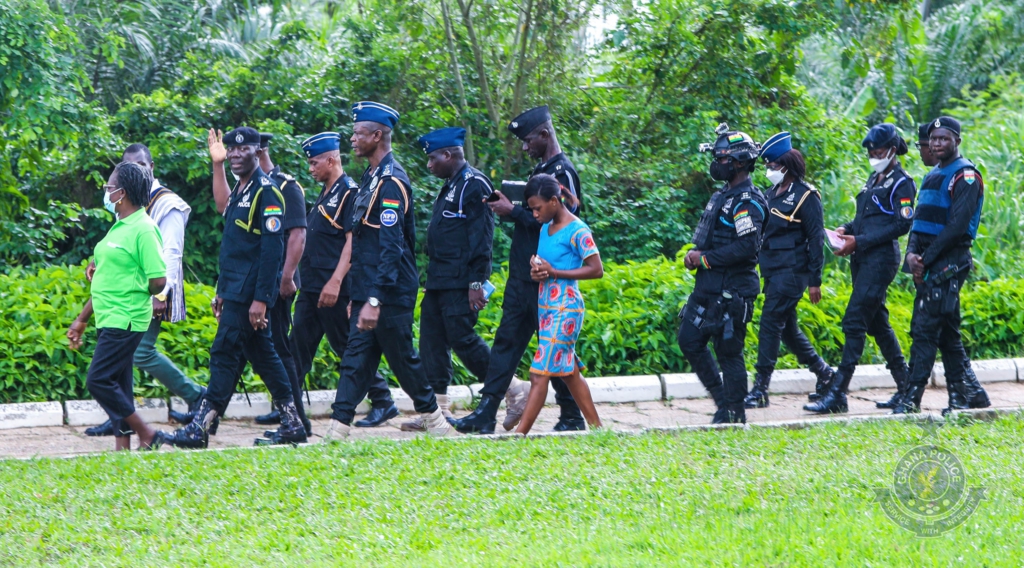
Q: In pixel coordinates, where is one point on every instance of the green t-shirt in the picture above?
(126, 259)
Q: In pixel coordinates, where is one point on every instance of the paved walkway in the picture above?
(70, 441)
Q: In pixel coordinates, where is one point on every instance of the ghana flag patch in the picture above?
(390, 203)
(740, 215)
(904, 202)
(735, 138)
(273, 210)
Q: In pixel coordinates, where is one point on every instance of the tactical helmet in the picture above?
(732, 144)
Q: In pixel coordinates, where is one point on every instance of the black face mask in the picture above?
(722, 172)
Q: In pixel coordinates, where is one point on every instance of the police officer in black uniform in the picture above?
(726, 244)
(519, 306)
(384, 278)
(251, 254)
(459, 241)
(281, 313)
(885, 208)
(322, 306)
(939, 256)
(791, 262)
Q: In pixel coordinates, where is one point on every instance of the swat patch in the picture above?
(969, 176)
(273, 224)
(744, 226)
(388, 218)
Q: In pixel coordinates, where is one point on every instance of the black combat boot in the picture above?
(195, 435)
(976, 395)
(291, 431)
(305, 424)
(377, 416)
(902, 377)
(825, 375)
(272, 417)
(911, 402)
(833, 401)
(570, 419)
(733, 415)
(758, 397)
(482, 420)
(186, 417)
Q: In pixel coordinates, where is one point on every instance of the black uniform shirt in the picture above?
(955, 236)
(880, 219)
(328, 221)
(384, 237)
(526, 235)
(793, 242)
(461, 232)
(294, 207)
(252, 246)
(730, 248)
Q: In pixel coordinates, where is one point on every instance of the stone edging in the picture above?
(638, 388)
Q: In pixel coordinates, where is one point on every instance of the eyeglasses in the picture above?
(108, 188)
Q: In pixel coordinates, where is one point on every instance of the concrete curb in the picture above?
(627, 389)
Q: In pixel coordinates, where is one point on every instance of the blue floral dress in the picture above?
(560, 304)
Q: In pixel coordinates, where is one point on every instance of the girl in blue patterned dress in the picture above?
(566, 253)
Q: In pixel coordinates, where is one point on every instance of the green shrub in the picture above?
(629, 329)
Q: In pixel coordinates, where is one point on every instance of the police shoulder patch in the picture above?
(970, 176)
(388, 217)
(907, 212)
(744, 226)
(273, 224)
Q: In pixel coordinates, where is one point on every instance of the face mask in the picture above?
(108, 204)
(775, 176)
(722, 172)
(880, 164)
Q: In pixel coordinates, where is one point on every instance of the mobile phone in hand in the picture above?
(488, 289)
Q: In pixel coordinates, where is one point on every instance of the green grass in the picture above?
(757, 497)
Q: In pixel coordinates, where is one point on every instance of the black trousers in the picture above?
(312, 323)
(280, 325)
(236, 342)
(109, 379)
(782, 293)
(693, 342)
(519, 323)
(866, 314)
(934, 327)
(447, 323)
(392, 338)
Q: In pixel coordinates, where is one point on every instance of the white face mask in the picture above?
(880, 164)
(775, 176)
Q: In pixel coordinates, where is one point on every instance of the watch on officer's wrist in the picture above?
(161, 297)
(374, 302)
(475, 285)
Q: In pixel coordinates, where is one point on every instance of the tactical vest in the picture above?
(936, 196)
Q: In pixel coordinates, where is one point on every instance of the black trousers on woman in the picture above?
(110, 374)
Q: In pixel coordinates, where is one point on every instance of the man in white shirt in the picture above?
(170, 213)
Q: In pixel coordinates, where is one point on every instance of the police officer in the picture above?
(459, 241)
(939, 256)
(322, 306)
(281, 314)
(384, 278)
(251, 254)
(519, 306)
(726, 243)
(922, 145)
(885, 207)
(791, 262)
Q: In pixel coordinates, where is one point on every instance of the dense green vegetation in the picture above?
(634, 86)
(726, 498)
(630, 328)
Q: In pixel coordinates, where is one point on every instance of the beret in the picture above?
(525, 123)
(243, 136)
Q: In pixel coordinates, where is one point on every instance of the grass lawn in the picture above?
(757, 497)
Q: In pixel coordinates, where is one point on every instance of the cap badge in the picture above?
(938, 123)
(515, 124)
(239, 138)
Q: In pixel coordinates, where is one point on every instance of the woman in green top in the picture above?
(129, 270)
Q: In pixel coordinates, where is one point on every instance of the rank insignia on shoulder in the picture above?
(745, 196)
(558, 167)
(387, 170)
(273, 210)
(273, 224)
(388, 218)
(265, 181)
(351, 183)
(969, 176)
(467, 175)
(288, 177)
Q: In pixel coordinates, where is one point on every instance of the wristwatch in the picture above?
(475, 285)
(161, 296)
(374, 302)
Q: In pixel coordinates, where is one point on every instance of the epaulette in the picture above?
(351, 183)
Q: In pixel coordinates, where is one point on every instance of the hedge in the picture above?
(630, 328)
